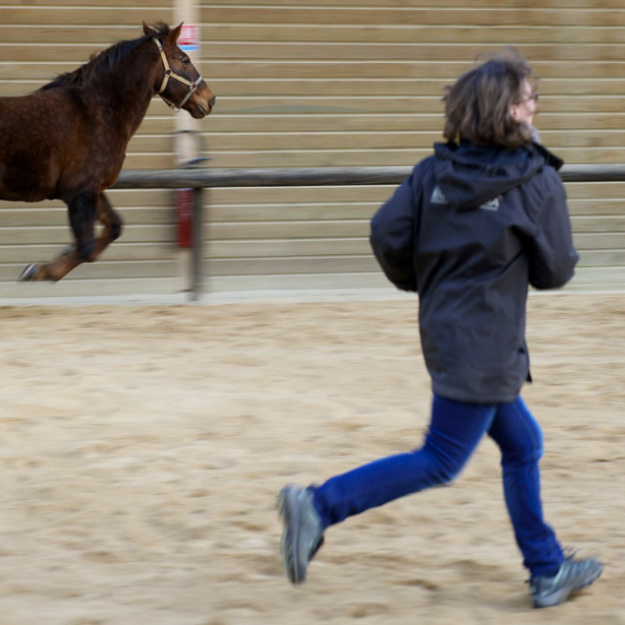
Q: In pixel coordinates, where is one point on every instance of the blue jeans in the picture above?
(455, 430)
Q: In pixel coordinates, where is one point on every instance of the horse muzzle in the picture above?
(202, 104)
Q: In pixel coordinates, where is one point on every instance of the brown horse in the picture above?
(68, 139)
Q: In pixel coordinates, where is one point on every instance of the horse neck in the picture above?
(127, 90)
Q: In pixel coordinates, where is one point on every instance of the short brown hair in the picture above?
(477, 105)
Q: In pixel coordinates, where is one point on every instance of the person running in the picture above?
(469, 231)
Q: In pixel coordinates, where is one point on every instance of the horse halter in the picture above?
(170, 74)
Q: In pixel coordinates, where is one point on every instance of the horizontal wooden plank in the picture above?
(410, 4)
(359, 87)
(311, 211)
(119, 250)
(388, 51)
(586, 278)
(104, 269)
(96, 36)
(600, 194)
(359, 140)
(316, 158)
(601, 207)
(259, 248)
(603, 258)
(597, 278)
(587, 210)
(595, 190)
(547, 69)
(596, 215)
(591, 216)
(148, 160)
(271, 195)
(42, 217)
(336, 228)
(79, 53)
(286, 247)
(354, 263)
(380, 158)
(599, 241)
(18, 235)
(88, 287)
(274, 123)
(295, 265)
(424, 16)
(387, 122)
(81, 4)
(611, 223)
(46, 69)
(67, 15)
(288, 229)
(366, 104)
(17, 256)
(120, 198)
(39, 72)
(402, 33)
(367, 140)
(281, 282)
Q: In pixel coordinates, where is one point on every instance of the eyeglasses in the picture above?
(533, 96)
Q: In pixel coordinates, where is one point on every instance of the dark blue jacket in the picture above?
(469, 230)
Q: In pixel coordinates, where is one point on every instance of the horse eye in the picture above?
(186, 62)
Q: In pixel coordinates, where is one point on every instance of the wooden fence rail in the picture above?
(296, 176)
(202, 178)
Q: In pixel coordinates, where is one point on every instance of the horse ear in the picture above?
(148, 30)
(175, 33)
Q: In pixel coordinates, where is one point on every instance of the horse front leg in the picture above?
(82, 213)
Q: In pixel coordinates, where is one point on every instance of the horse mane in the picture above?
(105, 60)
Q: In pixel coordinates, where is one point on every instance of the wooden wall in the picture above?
(323, 83)
(359, 82)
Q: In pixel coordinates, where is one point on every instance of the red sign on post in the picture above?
(189, 40)
(184, 210)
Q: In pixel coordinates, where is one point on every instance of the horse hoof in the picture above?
(29, 273)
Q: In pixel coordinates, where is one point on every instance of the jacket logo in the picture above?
(491, 205)
(438, 197)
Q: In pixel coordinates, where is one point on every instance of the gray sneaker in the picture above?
(303, 532)
(573, 575)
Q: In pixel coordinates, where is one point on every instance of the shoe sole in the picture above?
(288, 510)
(562, 595)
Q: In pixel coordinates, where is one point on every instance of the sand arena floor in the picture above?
(142, 447)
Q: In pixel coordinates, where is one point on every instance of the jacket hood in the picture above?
(470, 176)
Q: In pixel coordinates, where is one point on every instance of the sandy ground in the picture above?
(142, 448)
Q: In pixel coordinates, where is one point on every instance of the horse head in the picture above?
(181, 86)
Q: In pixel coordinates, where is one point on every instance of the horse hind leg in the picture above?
(82, 212)
(112, 222)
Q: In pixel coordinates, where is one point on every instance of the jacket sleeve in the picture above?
(393, 235)
(552, 254)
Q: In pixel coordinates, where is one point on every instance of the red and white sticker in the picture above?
(189, 40)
